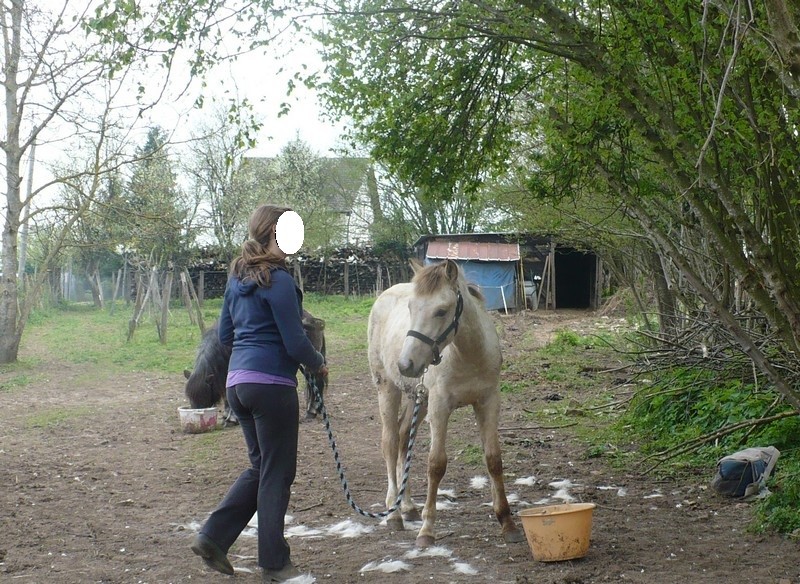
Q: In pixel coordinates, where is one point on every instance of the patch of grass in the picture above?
(511, 387)
(205, 449)
(14, 383)
(57, 416)
(471, 454)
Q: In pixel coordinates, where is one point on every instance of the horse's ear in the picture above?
(415, 265)
(451, 270)
(187, 374)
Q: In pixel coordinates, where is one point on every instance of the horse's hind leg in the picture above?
(487, 414)
(389, 403)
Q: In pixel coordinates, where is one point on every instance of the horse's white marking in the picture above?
(386, 567)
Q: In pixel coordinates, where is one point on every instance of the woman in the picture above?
(261, 318)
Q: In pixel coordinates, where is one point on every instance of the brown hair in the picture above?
(256, 260)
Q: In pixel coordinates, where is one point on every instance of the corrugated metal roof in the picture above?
(473, 250)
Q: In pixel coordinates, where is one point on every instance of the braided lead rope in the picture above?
(320, 406)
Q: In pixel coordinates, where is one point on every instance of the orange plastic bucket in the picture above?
(558, 532)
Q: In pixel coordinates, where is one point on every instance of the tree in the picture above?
(682, 114)
(216, 157)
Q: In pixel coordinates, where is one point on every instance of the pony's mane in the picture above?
(431, 278)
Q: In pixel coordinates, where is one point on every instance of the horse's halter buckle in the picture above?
(453, 326)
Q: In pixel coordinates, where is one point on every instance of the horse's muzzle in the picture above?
(408, 368)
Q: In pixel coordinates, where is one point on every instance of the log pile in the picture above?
(357, 271)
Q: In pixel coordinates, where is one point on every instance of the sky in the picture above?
(259, 78)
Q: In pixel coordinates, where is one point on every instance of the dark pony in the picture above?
(205, 384)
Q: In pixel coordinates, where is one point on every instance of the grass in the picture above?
(57, 416)
(81, 333)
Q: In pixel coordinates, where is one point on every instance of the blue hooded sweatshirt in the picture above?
(264, 327)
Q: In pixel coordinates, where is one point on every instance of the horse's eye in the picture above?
(440, 313)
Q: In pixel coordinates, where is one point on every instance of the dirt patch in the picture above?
(100, 485)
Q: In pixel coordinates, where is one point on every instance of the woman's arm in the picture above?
(286, 311)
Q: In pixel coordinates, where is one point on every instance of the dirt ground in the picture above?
(114, 491)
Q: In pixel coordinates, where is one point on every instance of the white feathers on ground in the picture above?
(386, 567)
(527, 481)
(478, 482)
(436, 551)
(348, 528)
(464, 568)
(562, 484)
(444, 505)
(563, 495)
(302, 579)
(621, 491)
(302, 531)
(449, 493)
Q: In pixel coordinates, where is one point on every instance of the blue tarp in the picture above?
(495, 279)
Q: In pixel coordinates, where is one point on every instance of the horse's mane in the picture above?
(431, 278)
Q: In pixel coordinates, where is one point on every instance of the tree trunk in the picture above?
(10, 333)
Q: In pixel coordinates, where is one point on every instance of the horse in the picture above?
(205, 384)
(437, 320)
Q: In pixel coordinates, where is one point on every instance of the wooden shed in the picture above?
(516, 270)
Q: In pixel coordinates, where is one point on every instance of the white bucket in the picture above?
(196, 421)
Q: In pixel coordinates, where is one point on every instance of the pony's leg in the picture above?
(487, 414)
(408, 507)
(389, 404)
(437, 465)
(228, 417)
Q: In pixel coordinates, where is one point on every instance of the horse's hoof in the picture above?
(395, 523)
(425, 541)
(513, 536)
(412, 515)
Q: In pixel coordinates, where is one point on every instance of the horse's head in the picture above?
(435, 307)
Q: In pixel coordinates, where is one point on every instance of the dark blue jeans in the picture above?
(269, 418)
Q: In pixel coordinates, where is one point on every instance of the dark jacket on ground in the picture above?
(269, 335)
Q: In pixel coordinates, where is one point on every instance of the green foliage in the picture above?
(780, 511)
(682, 404)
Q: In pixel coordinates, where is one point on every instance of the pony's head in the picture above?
(435, 308)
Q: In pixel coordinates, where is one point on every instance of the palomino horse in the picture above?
(437, 320)
(205, 384)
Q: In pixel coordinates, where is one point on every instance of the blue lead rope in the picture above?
(320, 407)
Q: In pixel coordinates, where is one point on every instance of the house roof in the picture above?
(473, 250)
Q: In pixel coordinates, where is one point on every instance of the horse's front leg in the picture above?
(389, 404)
(437, 466)
(487, 415)
(408, 507)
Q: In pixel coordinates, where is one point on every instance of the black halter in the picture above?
(453, 326)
